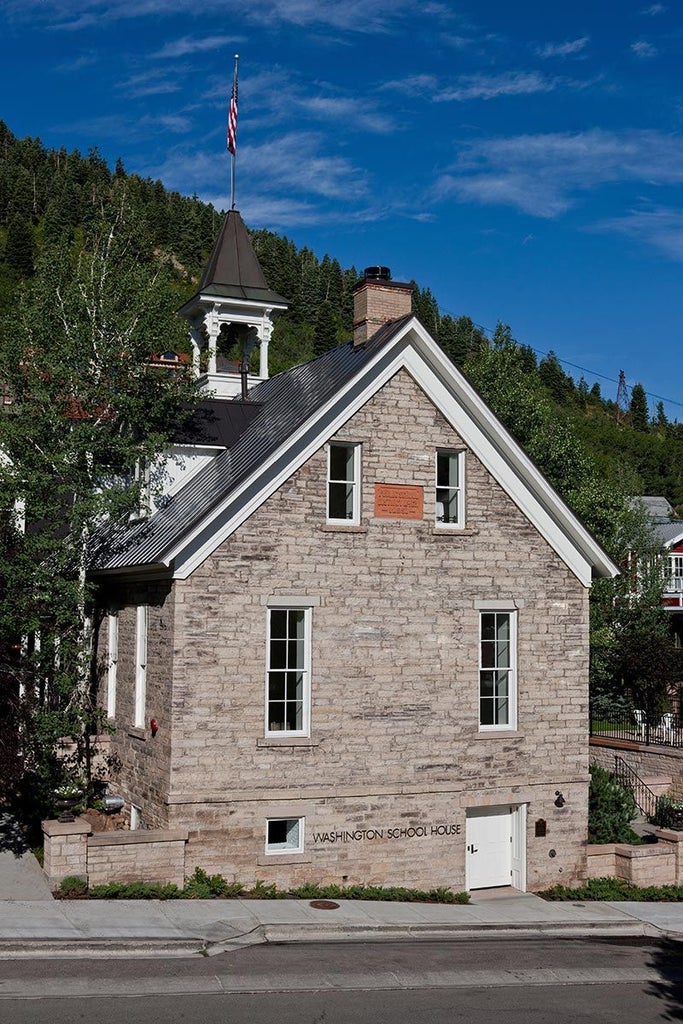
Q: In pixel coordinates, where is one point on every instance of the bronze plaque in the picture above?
(398, 501)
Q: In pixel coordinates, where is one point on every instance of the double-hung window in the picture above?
(141, 623)
(288, 671)
(450, 505)
(497, 670)
(343, 483)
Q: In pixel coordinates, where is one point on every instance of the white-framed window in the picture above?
(288, 671)
(141, 626)
(450, 489)
(112, 661)
(676, 573)
(497, 670)
(285, 835)
(343, 483)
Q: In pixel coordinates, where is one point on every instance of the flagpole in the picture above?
(232, 132)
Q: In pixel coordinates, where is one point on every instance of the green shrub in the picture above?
(611, 809)
(669, 813)
(442, 894)
(615, 889)
(73, 885)
(202, 886)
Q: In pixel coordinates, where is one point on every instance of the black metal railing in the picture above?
(649, 729)
(642, 794)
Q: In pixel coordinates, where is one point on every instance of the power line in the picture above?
(575, 366)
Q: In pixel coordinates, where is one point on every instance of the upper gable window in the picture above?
(450, 492)
(343, 483)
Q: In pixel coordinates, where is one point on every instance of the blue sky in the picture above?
(524, 161)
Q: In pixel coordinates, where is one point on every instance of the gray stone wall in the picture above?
(394, 719)
(145, 759)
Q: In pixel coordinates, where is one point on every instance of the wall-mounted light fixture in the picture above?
(559, 799)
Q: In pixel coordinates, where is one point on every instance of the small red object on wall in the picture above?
(154, 726)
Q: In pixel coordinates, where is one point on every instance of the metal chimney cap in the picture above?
(377, 274)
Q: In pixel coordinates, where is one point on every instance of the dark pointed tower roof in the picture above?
(233, 271)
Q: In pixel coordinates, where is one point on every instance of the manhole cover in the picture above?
(324, 905)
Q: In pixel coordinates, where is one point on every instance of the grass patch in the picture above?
(202, 886)
(615, 889)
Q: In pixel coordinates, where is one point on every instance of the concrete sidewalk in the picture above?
(94, 928)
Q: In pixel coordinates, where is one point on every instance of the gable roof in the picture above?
(667, 530)
(299, 410)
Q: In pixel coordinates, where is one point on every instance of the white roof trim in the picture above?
(415, 351)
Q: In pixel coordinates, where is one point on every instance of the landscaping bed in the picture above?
(201, 886)
(615, 889)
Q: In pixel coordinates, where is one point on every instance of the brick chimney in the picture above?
(376, 301)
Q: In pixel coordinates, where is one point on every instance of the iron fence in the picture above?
(636, 725)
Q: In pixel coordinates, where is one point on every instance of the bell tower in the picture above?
(233, 297)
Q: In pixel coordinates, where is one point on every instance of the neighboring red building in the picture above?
(669, 532)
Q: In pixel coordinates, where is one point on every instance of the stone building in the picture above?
(351, 642)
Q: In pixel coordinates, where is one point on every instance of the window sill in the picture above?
(343, 528)
(271, 859)
(496, 734)
(286, 741)
(137, 734)
(454, 531)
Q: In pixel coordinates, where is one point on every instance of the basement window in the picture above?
(285, 835)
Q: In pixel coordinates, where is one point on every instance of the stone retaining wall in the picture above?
(139, 856)
(650, 760)
(659, 863)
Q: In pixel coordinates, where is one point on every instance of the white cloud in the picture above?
(544, 175)
(643, 49)
(567, 49)
(357, 114)
(487, 87)
(187, 45)
(348, 15)
(294, 161)
(653, 10)
(412, 85)
(661, 228)
(155, 82)
(85, 60)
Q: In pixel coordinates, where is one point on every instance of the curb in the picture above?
(149, 948)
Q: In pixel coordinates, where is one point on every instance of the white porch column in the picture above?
(196, 340)
(265, 329)
(213, 326)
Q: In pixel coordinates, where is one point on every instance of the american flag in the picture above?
(232, 119)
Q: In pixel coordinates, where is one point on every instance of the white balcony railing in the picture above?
(674, 585)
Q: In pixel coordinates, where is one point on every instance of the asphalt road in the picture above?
(509, 981)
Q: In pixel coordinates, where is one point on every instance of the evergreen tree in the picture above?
(640, 419)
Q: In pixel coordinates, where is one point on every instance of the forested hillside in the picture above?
(55, 198)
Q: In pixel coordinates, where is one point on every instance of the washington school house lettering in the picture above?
(360, 834)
